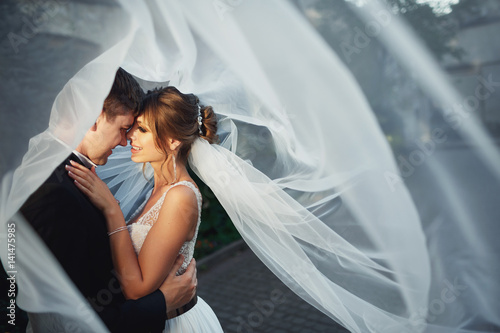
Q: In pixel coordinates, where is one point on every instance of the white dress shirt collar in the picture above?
(84, 159)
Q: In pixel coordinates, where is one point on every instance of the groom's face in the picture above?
(107, 134)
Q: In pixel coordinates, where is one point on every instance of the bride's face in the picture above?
(143, 145)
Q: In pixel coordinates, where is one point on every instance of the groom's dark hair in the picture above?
(126, 96)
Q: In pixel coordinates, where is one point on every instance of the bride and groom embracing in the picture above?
(151, 255)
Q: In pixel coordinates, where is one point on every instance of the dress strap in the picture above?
(151, 215)
(191, 186)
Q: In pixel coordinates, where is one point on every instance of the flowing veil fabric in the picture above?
(303, 169)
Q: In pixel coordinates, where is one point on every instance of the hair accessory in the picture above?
(117, 230)
(200, 119)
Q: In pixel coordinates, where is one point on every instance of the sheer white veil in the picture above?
(303, 170)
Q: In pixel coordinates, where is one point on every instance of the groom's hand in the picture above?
(178, 290)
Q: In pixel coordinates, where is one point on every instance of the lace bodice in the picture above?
(139, 229)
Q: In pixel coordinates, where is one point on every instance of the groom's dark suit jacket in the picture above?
(75, 231)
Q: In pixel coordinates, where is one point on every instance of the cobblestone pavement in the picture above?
(248, 298)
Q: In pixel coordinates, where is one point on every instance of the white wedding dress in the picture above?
(201, 317)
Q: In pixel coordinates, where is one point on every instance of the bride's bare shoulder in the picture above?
(180, 195)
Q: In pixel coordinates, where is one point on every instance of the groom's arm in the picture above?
(148, 314)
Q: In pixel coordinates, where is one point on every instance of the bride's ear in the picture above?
(173, 144)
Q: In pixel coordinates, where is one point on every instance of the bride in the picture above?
(166, 224)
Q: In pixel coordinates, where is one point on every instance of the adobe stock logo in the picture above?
(455, 116)
(437, 306)
(42, 12)
(362, 38)
(223, 7)
(417, 157)
(264, 308)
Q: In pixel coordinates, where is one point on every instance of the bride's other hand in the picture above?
(92, 186)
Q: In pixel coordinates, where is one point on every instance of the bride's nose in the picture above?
(130, 134)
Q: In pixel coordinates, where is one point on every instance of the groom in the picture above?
(75, 230)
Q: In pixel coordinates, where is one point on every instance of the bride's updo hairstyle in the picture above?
(172, 114)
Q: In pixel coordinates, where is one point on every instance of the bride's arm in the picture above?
(141, 275)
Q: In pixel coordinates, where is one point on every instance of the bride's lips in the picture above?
(135, 149)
